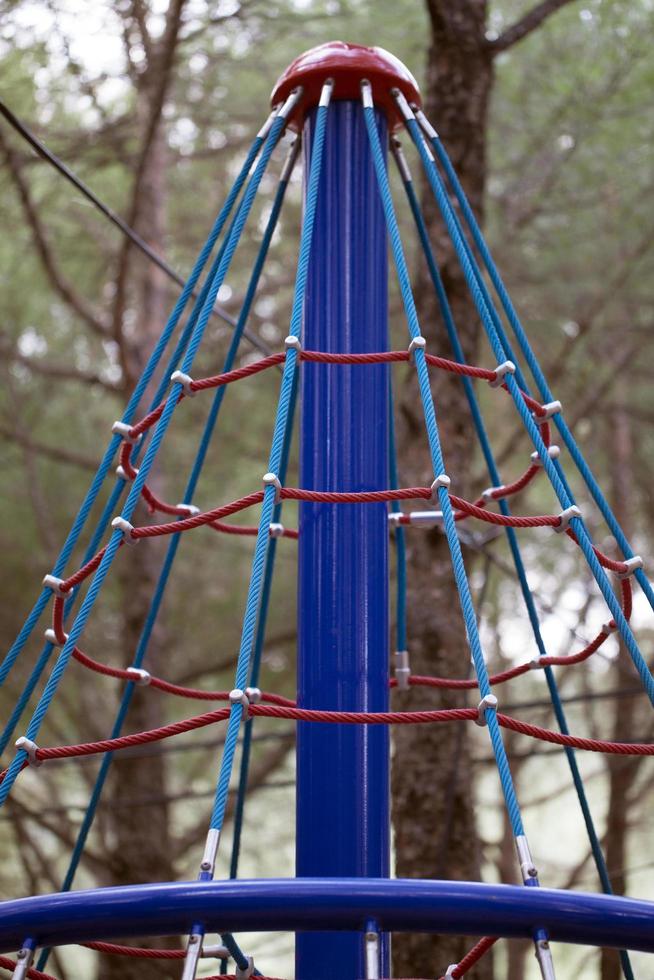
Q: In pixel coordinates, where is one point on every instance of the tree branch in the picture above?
(527, 24)
(59, 454)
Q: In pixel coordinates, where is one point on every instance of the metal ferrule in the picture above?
(51, 637)
(217, 952)
(551, 408)
(400, 160)
(121, 524)
(488, 701)
(208, 862)
(553, 452)
(291, 102)
(27, 745)
(24, 959)
(565, 517)
(265, 129)
(289, 162)
(366, 94)
(248, 972)
(402, 104)
(425, 125)
(326, 93)
(193, 953)
(442, 482)
(402, 669)
(527, 866)
(545, 961)
(633, 565)
(54, 584)
(372, 955)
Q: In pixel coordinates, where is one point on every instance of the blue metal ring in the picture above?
(399, 905)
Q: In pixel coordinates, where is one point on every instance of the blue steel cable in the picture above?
(270, 493)
(153, 448)
(495, 478)
(534, 366)
(132, 405)
(463, 586)
(158, 595)
(468, 264)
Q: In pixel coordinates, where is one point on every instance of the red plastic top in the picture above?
(347, 64)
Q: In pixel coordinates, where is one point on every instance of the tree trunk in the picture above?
(433, 804)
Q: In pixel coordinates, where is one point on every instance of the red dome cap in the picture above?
(347, 64)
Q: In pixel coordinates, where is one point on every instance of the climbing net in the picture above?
(131, 439)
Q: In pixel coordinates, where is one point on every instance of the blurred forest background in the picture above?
(547, 109)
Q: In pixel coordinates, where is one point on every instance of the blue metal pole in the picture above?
(343, 642)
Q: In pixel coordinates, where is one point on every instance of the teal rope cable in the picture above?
(535, 368)
(496, 480)
(153, 360)
(463, 587)
(468, 262)
(153, 448)
(281, 421)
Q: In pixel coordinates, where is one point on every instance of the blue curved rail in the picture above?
(274, 904)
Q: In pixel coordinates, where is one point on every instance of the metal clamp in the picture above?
(424, 122)
(488, 701)
(123, 525)
(139, 676)
(405, 110)
(553, 452)
(190, 509)
(55, 585)
(441, 481)
(450, 971)
(400, 159)
(31, 748)
(527, 866)
(418, 343)
(215, 952)
(245, 974)
(210, 851)
(120, 471)
(185, 380)
(402, 669)
(633, 565)
(550, 409)
(489, 493)
(276, 530)
(293, 343)
(506, 367)
(272, 480)
(123, 430)
(253, 694)
(610, 627)
(193, 952)
(24, 958)
(366, 94)
(237, 696)
(52, 637)
(565, 517)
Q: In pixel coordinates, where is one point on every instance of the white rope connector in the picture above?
(633, 565)
(294, 343)
(544, 958)
(488, 701)
(450, 971)
(402, 669)
(120, 471)
(395, 518)
(489, 493)
(193, 952)
(253, 694)
(527, 866)
(123, 525)
(247, 972)
(608, 628)
(51, 637)
(565, 517)
(185, 380)
(24, 958)
(552, 451)
(276, 530)
(210, 850)
(550, 409)
(190, 509)
(139, 676)
(441, 481)
(272, 480)
(418, 343)
(215, 952)
(27, 745)
(501, 371)
(123, 430)
(54, 584)
(237, 696)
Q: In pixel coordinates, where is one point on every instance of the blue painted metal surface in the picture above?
(343, 661)
(400, 905)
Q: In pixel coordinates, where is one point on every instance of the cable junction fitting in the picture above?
(121, 524)
(371, 940)
(120, 471)
(608, 628)
(402, 669)
(366, 94)
(400, 160)
(185, 380)
(430, 517)
(237, 696)
(217, 952)
(193, 953)
(52, 637)
(139, 676)
(489, 493)
(550, 409)
(55, 585)
(293, 343)
(545, 961)
(272, 480)
(552, 451)
(208, 862)
(27, 745)
(418, 343)
(633, 564)
(527, 866)
(404, 108)
(190, 509)
(24, 958)
(449, 973)
(326, 93)
(488, 701)
(245, 974)
(501, 371)
(123, 430)
(565, 517)
(442, 481)
(425, 125)
(276, 530)
(289, 162)
(253, 694)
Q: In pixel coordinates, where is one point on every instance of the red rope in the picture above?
(473, 956)
(10, 965)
